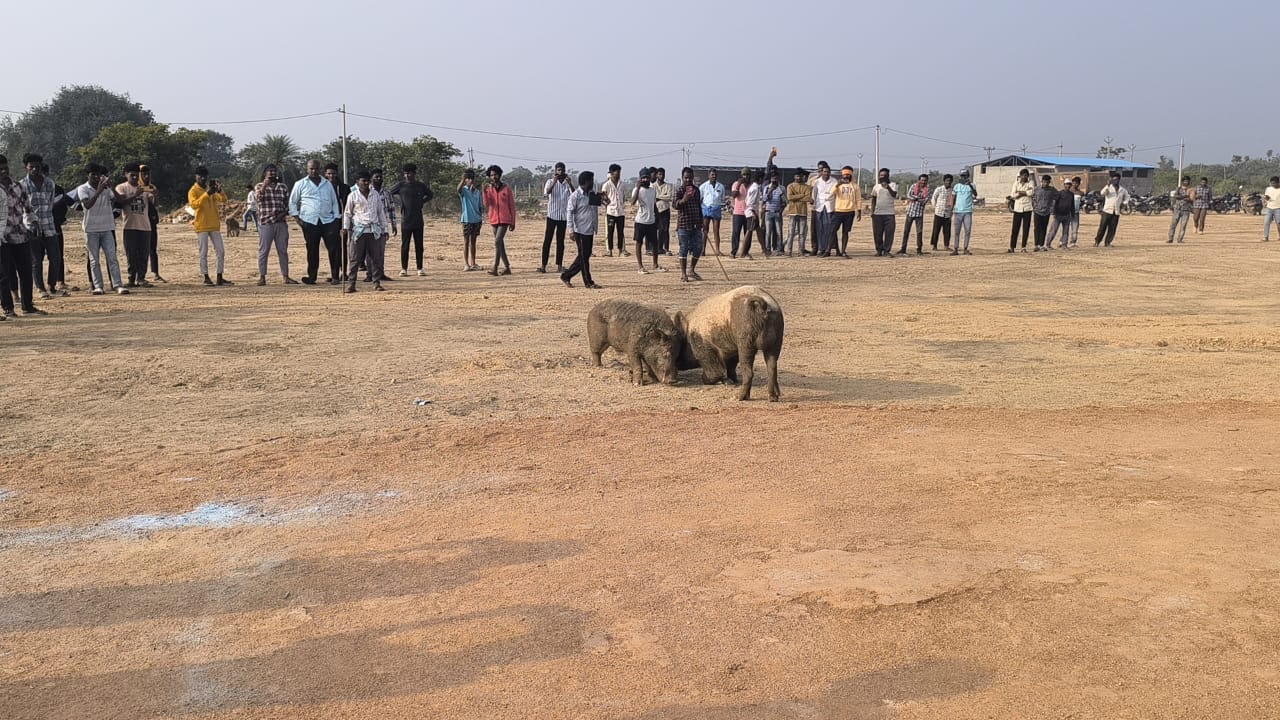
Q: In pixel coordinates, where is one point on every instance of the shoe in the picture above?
(44, 295)
(955, 252)
(9, 314)
(1180, 242)
(333, 281)
(384, 278)
(1096, 243)
(223, 281)
(902, 253)
(208, 281)
(290, 281)
(921, 252)
(610, 253)
(144, 283)
(594, 286)
(566, 282)
(308, 281)
(422, 273)
(349, 288)
(966, 252)
(262, 280)
(33, 310)
(642, 271)
(624, 254)
(560, 269)
(1170, 241)
(505, 271)
(492, 272)
(470, 268)
(122, 291)
(97, 291)
(1024, 249)
(695, 276)
(541, 269)
(404, 273)
(659, 269)
(157, 278)
(368, 278)
(378, 286)
(63, 293)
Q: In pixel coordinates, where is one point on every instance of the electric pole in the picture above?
(343, 110)
(877, 148)
(1132, 147)
(988, 149)
(1107, 140)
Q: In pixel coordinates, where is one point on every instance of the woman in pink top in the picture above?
(502, 216)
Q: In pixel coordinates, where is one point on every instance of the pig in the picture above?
(728, 330)
(644, 334)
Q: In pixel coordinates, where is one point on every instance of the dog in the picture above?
(233, 227)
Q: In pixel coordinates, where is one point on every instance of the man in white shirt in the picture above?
(615, 212)
(97, 199)
(364, 222)
(1113, 196)
(1272, 208)
(751, 209)
(557, 190)
(711, 193)
(824, 206)
(644, 198)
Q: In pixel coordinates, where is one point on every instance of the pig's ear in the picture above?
(679, 320)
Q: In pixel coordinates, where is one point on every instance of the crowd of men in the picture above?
(813, 215)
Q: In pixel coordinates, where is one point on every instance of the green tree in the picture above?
(172, 155)
(279, 150)
(74, 117)
(436, 160)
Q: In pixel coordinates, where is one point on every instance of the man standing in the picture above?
(1042, 202)
(775, 199)
(500, 201)
(583, 220)
(740, 191)
(1201, 199)
(153, 243)
(314, 202)
(689, 222)
(1181, 208)
(136, 203)
(331, 172)
(413, 195)
(1078, 192)
(799, 200)
(1272, 195)
(1064, 209)
(364, 224)
(471, 199)
(15, 255)
(848, 209)
(557, 190)
(711, 194)
(883, 214)
(824, 205)
(99, 223)
(250, 210)
(273, 223)
(42, 230)
(917, 198)
(645, 201)
(1023, 188)
(944, 200)
(964, 195)
(389, 205)
(615, 210)
(665, 193)
(1113, 196)
(207, 199)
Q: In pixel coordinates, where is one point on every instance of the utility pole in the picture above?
(1024, 149)
(471, 157)
(1132, 147)
(877, 150)
(1059, 149)
(1107, 140)
(1182, 147)
(923, 164)
(343, 110)
(859, 171)
(988, 149)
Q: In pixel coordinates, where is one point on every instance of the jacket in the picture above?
(208, 207)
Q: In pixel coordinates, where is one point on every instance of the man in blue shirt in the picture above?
(314, 203)
(472, 201)
(962, 214)
(712, 207)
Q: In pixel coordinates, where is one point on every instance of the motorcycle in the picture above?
(1091, 202)
(1253, 204)
(1226, 203)
(1152, 204)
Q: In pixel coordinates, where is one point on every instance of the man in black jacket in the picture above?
(413, 194)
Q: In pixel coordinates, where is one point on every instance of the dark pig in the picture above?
(645, 335)
(723, 334)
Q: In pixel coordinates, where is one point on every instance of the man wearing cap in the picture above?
(557, 190)
(711, 195)
(962, 212)
(883, 213)
(1021, 194)
(273, 226)
(799, 200)
(1064, 207)
(1113, 197)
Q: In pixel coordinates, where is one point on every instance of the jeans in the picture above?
(42, 245)
(773, 232)
(741, 224)
(1178, 225)
(153, 245)
(331, 233)
(1020, 220)
(883, 228)
(1200, 214)
(358, 249)
(617, 223)
(15, 259)
(249, 215)
(219, 250)
(1041, 227)
(408, 233)
(106, 242)
(690, 243)
(1075, 227)
(1107, 228)
(555, 229)
(826, 230)
(581, 263)
(906, 233)
(962, 222)
(1059, 222)
(276, 234)
(1271, 216)
(500, 247)
(799, 229)
(943, 225)
(664, 231)
(137, 245)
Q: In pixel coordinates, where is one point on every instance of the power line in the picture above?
(578, 162)
(263, 120)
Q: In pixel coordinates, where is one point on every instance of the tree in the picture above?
(74, 117)
(172, 156)
(278, 150)
(435, 160)
(1111, 152)
(518, 177)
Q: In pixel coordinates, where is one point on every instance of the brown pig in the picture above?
(645, 335)
(723, 334)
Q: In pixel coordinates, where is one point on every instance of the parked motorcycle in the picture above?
(1253, 203)
(1226, 203)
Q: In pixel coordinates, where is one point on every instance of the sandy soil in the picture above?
(1038, 486)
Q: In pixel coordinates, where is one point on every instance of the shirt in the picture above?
(365, 214)
(689, 214)
(273, 202)
(775, 198)
(137, 214)
(208, 207)
(943, 202)
(472, 204)
(557, 198)
(613, 194)
(583, 217)
(645, 201)
(1022, 204)
(17, 206)
(41, 220)
(664, 192)
(389, 204)
(799, 198)
(501, 203)
(1043, 199)
(712, 195)
(344, 192)
(1064, 203)
(882, 200)
(412, 196)
(964, 194)
(1113, 198)
(98, 218)
(1273, 198)
(848, 198)
(739, 192)
(753, 200)
(823, 194)
(252, 201)
(1201, 197)
(314, 203)
(917, 198)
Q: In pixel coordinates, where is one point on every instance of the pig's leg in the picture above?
(771, 362)
(597, 341)
(637, 367)
(746, 370)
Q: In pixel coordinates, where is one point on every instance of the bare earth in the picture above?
(1040, 486)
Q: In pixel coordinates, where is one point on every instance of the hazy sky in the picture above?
(975, 72)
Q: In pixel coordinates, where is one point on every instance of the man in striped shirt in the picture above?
(272, 197)
(917, 197)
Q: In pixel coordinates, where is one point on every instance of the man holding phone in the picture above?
(883, 214)
(206, 198)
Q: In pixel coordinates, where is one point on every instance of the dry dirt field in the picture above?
(998, 486)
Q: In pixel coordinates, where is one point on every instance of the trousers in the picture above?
(943, 225)
(1178, 225)
(220, 250)
(918, 222)
(581, 263)
(883, 228)
(555, 229)
(331, 234)
(276, 234)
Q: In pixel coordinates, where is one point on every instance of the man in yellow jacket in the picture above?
(206, 198)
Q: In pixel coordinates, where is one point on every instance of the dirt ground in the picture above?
(997, 486)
